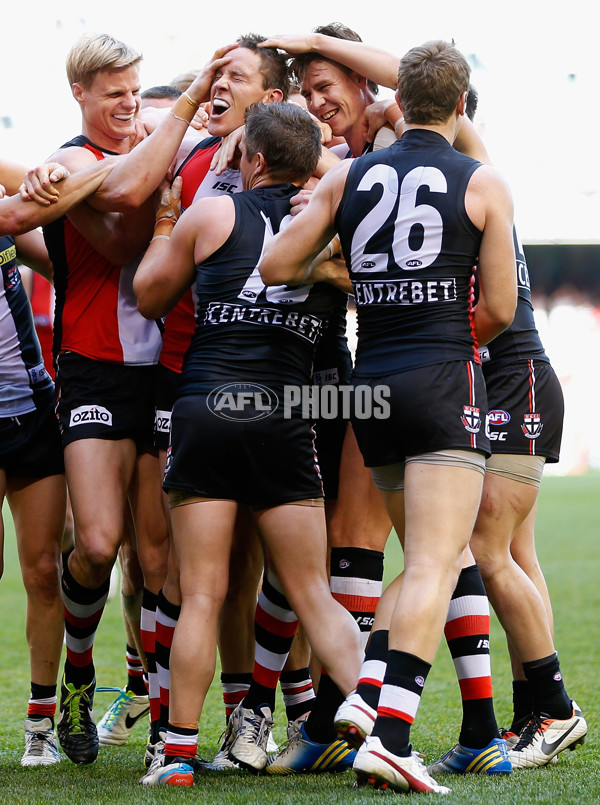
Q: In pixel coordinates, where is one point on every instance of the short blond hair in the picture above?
(94, 52)
(183, 80)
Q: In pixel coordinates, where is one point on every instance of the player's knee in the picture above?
(98, 559)
(42, 579)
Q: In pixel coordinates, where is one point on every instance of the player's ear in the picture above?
(273, 95)
(359, 80)
(77, 91)
(261, 163)
(398, 101)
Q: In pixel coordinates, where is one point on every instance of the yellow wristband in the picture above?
(184, 108)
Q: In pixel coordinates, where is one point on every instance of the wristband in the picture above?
(184, 108)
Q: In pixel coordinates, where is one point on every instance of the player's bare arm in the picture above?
(376, 64)
(31, 251)
(287, 258)
(168, 267)
(18, 216)
(489, 205)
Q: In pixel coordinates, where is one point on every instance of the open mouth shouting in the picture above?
(218, 107)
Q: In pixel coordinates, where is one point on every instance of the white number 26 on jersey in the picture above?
(411, 218)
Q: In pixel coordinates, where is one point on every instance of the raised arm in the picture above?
(469, 142)
(373, 63)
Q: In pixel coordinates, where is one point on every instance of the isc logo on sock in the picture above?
(90, 413)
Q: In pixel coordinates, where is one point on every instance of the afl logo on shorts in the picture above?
(532, 425)
(471, 418)
(242, 401)
(498, 417)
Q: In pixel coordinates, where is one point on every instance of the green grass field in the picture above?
(567, 535)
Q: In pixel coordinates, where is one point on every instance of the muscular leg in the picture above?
(523, 551)
(504, 507)
(151, 532)
(38, 509)
(236, 629)
(202, 537)
(357, 531)
(295, 537)
(132, 583)
(433, 551)
(98, 475)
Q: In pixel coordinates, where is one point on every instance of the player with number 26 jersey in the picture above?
(411, 251)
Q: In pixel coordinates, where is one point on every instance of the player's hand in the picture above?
(376, 117)
(169, 208)
(199, 89)
(200, 119)
(140, 133)
(300, 200)
(39, 184)
(228, 152)
(294, 45)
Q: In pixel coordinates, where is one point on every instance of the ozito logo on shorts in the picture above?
(88, 414)
(162, 421)
(532, 425)
(242, 401)
(471, 418)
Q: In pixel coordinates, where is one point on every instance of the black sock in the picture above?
(257, 696)
(547, 688)
(298, 693)
(405, 672)
(522, 705)
(377, 649)
(319, 725)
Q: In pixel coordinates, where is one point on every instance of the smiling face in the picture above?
(237, 86)
(333, 95)
(109, 107)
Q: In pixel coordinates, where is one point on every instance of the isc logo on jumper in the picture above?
(242, 401)
(86, 414)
